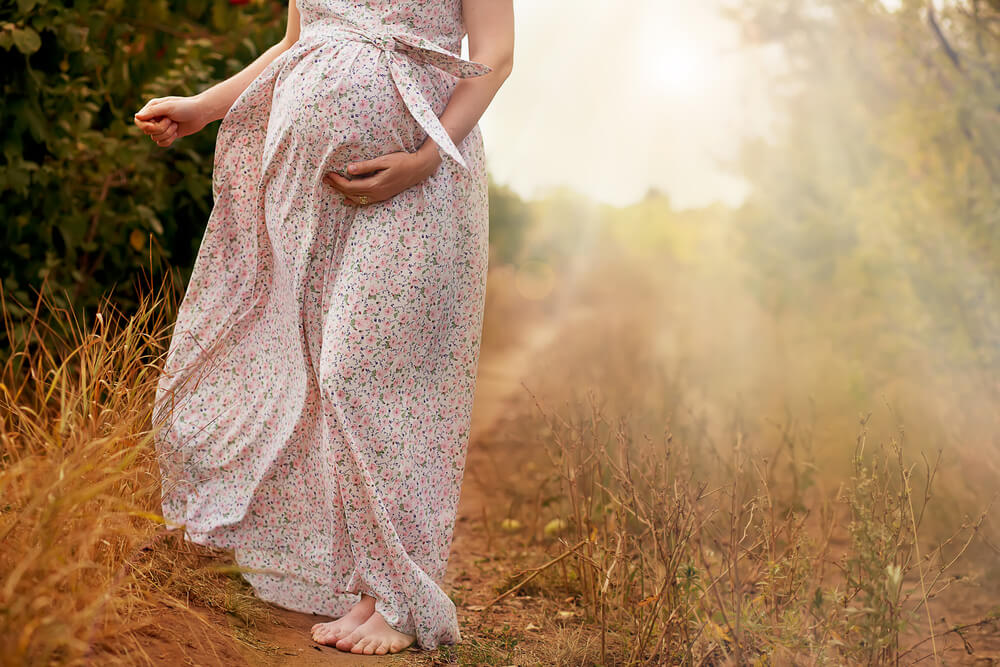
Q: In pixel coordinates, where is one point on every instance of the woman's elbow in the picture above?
(503, 65)
(287, 42)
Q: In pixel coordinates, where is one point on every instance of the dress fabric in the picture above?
(314, 408)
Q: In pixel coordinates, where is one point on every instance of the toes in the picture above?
(370, 647)
(359, 647)
(326, 634)
(382, 648)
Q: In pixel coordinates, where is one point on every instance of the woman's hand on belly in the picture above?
(386, 176)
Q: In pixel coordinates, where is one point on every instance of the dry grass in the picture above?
(86, 562)
(682, 547)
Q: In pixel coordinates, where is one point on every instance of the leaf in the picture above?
(75, 36)
(137, 239)
(26, 40)
(13, 178)
(149, 216)
(36, 122)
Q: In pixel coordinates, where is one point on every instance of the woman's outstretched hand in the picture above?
(166, 119)
(385, 176)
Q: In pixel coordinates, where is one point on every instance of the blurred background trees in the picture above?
(880, 188)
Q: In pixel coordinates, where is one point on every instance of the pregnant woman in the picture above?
(313, 412)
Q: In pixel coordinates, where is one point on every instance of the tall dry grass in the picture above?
(87, 571)
(695, 572)
(691, 536)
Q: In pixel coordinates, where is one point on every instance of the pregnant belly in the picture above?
(338, 104)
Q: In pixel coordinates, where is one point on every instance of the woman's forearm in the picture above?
(217, 99)
(468, 102)
(491, 42)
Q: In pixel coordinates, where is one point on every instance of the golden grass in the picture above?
(86, 563)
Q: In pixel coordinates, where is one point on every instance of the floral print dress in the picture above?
(314, 408)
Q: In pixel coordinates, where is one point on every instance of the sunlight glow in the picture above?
(616, 98)
(677, 67)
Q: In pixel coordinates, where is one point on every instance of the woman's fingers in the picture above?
(155, 119)
(354, 196)
(155, 107)
(367, 166)
(168, 137)
(345, 185)
(158, 126)
(356, 186)
(342, 185)
(169, 129)
(161, 118)
(147, 126)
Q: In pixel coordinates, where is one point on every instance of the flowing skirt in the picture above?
(314, 409)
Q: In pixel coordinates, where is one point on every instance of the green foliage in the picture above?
(87, 200)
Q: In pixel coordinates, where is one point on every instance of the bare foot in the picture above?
(330, 633)
(375, 637)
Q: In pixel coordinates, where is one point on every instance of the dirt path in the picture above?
(287, 641)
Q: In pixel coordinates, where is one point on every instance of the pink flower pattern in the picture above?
(314, 407)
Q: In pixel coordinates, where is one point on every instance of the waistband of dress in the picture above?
(383, 37)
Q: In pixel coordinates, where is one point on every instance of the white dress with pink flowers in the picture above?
(315, 404)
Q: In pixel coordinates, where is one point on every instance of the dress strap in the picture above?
(401, 48)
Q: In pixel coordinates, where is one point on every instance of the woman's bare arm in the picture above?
(221, 96)
(490, 24)
(166, 119)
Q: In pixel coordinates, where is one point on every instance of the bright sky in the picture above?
(612, 97)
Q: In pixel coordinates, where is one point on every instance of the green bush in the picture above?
(88, 202)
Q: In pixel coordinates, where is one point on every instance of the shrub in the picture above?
(86, 199)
